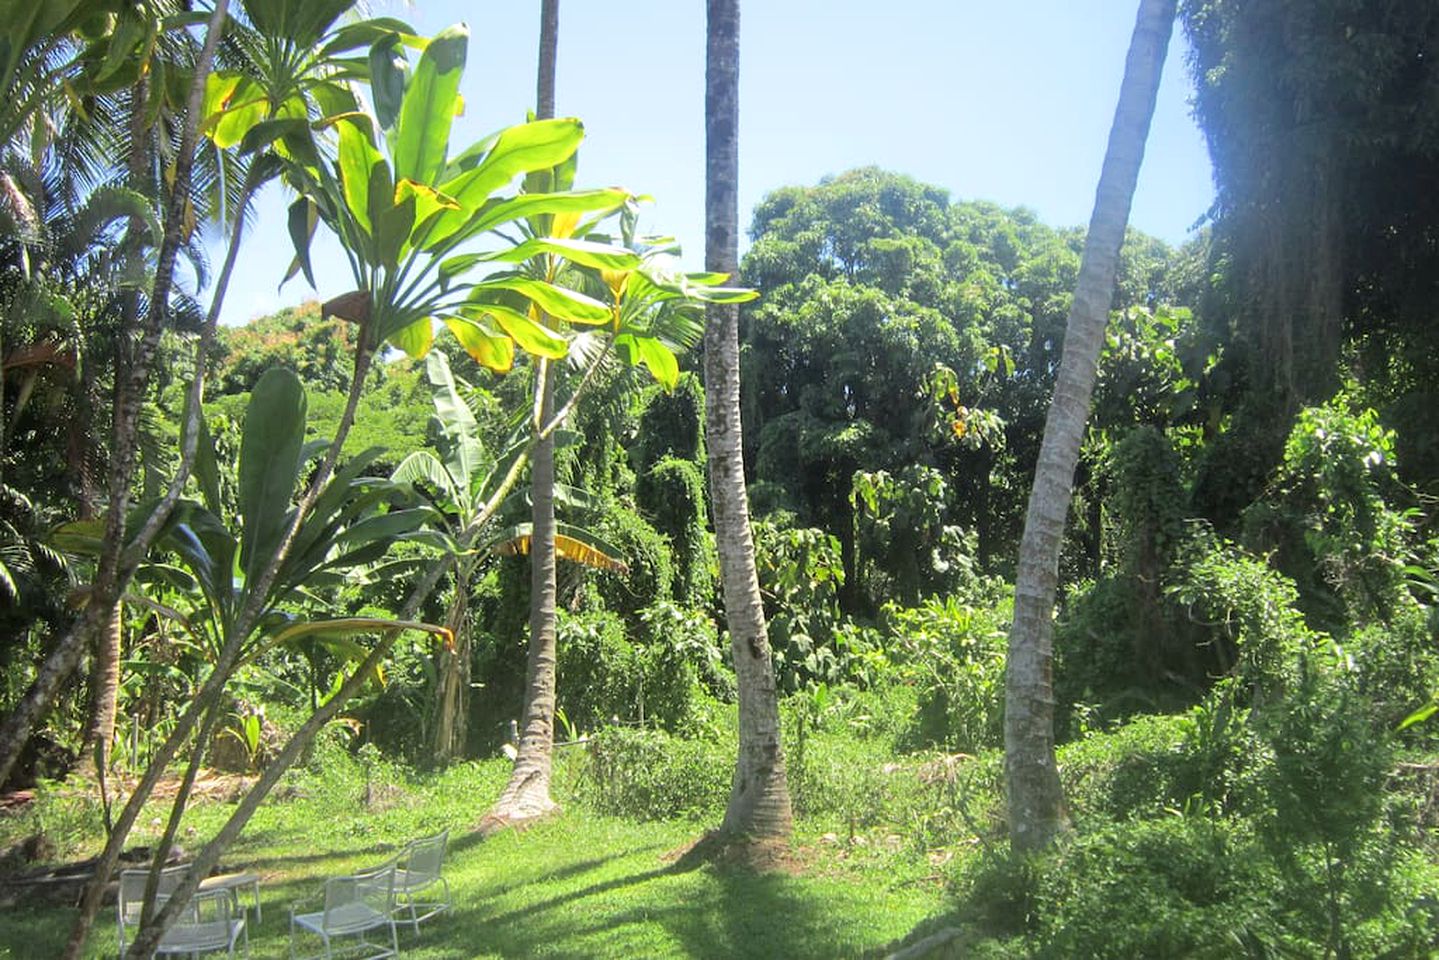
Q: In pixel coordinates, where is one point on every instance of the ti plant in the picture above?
(351, 525)
(405, 212)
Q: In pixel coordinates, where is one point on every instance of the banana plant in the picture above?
(464, 483)
(262, 564)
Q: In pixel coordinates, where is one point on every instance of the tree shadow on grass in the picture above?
(683, 908)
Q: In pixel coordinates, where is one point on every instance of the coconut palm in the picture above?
(759, 804)
(1036, 801)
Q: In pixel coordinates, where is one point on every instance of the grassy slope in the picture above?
(578, 886)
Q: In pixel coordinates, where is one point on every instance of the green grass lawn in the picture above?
(579, 885)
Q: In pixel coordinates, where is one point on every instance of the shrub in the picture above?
(672, 494)
(650, 677)
(953, 654)
(650, 775)
(1249, 610)
(800, 573)
(1172, 887)
(1326, 520)
(1397, 665)
(651, 568)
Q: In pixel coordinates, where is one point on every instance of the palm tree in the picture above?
(527, 795)
(1036, 801)
(759, 803)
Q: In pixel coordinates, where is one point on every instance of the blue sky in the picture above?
(1003, 101)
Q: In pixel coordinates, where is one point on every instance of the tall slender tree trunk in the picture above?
(527, 795)
(759, 803)
(1036, 801)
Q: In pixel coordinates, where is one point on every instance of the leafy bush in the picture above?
(800, 573)
(1249, 609)
(953, 654)
(651, 677)
(1397, 665)
(672, 495)
(651, 574)
(650, 775)
(1172, 887)
(906, 549)
(1326, 519)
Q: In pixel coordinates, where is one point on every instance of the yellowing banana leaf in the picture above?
(571, 543)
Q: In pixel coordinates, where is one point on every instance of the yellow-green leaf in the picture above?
(489, 349)
(559, 302)
(416, 339)
(533, 338)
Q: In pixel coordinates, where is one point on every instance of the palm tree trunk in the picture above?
(527, 795)
(759, 804)
(1036, 801)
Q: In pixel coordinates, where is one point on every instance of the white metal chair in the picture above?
(212, 920)
(418, 870)
(353, 906)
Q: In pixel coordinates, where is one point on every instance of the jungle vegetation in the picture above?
(1101, 573)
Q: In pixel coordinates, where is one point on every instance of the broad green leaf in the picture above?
(270, 447)
(82, 537)
(1419, 716)
(353, 36)
(421, 136)
(490, 349)
(207, 470)
(266, 132)
(219, 90)
(246, 106)
(454, 266)
(415, 340)
(558, 302)
(333, 99)
(465, 457)
(424, 466)
(656, 357)
(348, 626)
(358, 157)
(519, 149)
(428, 202)
(392, 230)
(383, 528)
(533, 338)
(389, 73)
(586, 253)
(524, 206)
(129, 34)
(301, 22)
(304, 216)
(721, 294)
